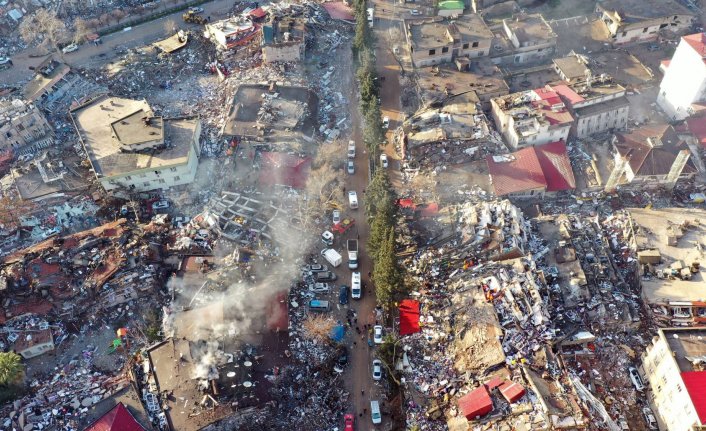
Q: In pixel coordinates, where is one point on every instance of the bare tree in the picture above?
(43, 26)
(81, 30)
(118, 15)
(105, 18)
(332, 154)
(170, 26)
(93, 24)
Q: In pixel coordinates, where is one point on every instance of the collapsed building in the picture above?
(233, 32)
(284, 39)
(522, 39)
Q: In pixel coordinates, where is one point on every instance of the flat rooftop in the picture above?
(429, 34)
(437, 31)
(471, 27)
(631, 11)
(571, 67)
(686, 342)
(530, 28)
(137, 128)
(40, 81)
(651, 229)
(93, 124)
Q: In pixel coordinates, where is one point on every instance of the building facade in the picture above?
(34, 344)
(22, 126)
(524, 39)
(673, 368)
(436, 40)
(629, 21)
(131, 149)
(683, 86)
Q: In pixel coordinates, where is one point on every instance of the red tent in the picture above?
(511, 391)
(118, 418)
(476, 404)
(409, 317)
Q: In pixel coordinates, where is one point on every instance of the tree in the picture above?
(81, 30)
(378, 231)
(43, 26)
(379, 194)
(386, 272)
(118, 15)
(104, 18)
(11, 369)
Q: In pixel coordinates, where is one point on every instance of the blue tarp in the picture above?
(338, 332)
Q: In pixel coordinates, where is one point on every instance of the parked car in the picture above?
(160, 205)
(377, 334)
(336, 216)
(377, 369)
(636, 379)
(375, 412)
(319, 288)
(353, 199)
(415, 12)
(383, 160)
(343, 294)
(315, 267)
(649, 418)
(348, 420)
(5, 62)
(196, 9)
(351, 167)
(385, 122)
(70, 48)
(324, 276)
(341, 361)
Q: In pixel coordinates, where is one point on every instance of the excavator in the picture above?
(195, 18)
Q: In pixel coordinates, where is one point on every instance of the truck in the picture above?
(352, 246)
(332, 256)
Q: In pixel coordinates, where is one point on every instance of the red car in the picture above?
(348, 419)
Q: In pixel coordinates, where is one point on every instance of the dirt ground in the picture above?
(563, 8)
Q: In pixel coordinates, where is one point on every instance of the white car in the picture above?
(415, 12)
(377, 369)
(383, 160)
(636, 379)
(160, 205)
(351, 167)
(319, 288)
(70, 48)
(385, 122)
(649, 418)
(336, 216)
(377, 334)
(353, 199)
(196, 9)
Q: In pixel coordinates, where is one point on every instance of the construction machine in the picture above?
(192, 17)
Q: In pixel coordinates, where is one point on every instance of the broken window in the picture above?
(644, 30)
(128, 178)
(625, 33)
(475, 45)
(444, 50)
(161, 181)
(173, 169)
(465, 46)
(177, 178)
(432, 52)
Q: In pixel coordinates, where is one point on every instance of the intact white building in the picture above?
(673, 367)
(131, 148)
(683, 88)
(532, 117)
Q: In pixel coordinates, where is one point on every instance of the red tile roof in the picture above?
(697, 41)
(695, 382)
(556, 166)
(520, 174)
(548, 98)
(568, 94)
(118, 418)
(511, 391)
(476, 403)
(542, 167)
(697, 127)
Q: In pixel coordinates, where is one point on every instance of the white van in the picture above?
(375, 412)
(351, 149)
(356, 291)
(353, 199)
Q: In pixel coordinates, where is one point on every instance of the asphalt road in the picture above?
(92, 56)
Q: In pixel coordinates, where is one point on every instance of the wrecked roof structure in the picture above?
(633, 20)
(23, 127)
(117, 419)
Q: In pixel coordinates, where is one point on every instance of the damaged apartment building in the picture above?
(23, 127)
(668, 248)
(630, 21)
(522, 39)
(284, 39)
(438, 40)
(131, 149)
